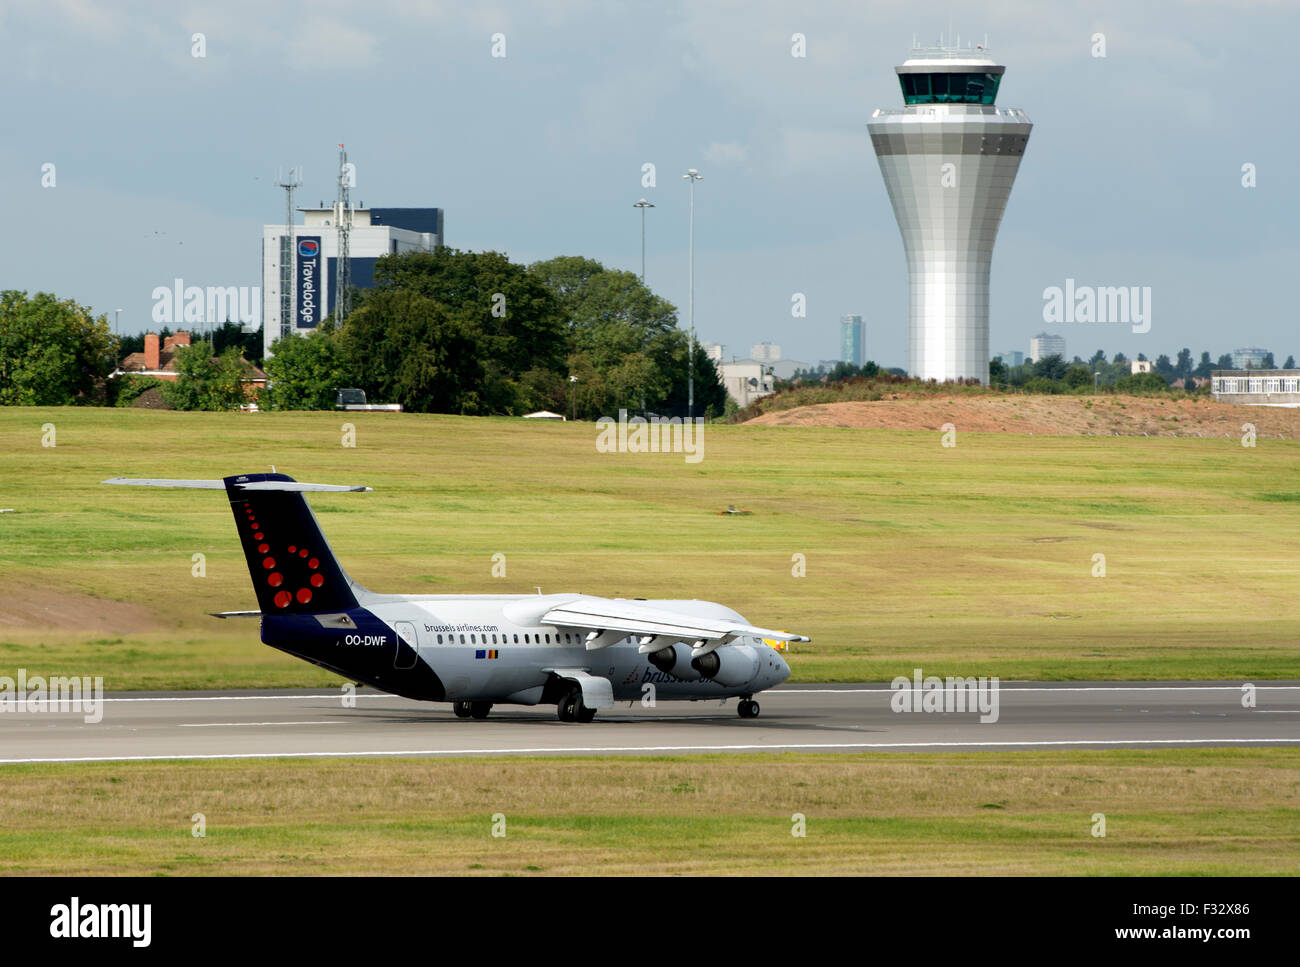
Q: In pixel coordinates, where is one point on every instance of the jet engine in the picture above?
(674, 660)
(732, 665)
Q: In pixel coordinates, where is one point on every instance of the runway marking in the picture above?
(240, 698)
(1236, 689)
(213, 725)
(648, 748)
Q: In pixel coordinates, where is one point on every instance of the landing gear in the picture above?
(748, 708)
(461, 709)
(479, 710)
(571, 709)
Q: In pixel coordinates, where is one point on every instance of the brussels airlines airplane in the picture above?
(577, 652)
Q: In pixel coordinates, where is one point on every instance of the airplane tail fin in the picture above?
(293, 569)
(291, 564)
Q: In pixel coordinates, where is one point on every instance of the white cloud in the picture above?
(726, 153)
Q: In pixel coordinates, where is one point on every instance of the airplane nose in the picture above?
(780, 671)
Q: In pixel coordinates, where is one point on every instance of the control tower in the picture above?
(949, 159)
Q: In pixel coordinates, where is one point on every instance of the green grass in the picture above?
(971, 560)
(1183, 812)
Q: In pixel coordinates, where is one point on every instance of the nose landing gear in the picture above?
(748, 708)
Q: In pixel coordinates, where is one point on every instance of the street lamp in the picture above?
(692, 176)
(117, 321)
(643, 205)
(1096, 375)
(573, 396)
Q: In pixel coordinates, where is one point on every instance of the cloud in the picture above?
(324, 44)
(726, 153)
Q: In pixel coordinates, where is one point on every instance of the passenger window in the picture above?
(440, 639)
(516, 639)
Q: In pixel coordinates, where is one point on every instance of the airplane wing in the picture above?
(609, 621)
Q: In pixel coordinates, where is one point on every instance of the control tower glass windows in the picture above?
(946, 87)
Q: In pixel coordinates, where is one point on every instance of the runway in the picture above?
(811, 718)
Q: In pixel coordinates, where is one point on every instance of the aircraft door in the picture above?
(404, 658)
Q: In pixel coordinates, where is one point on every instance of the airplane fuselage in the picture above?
(493, 648)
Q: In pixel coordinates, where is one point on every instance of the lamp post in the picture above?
(643, 205)
(692, 176)
(1096, 375)
(573, 397)
(117, 321)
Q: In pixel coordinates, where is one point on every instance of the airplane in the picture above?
(578, 652)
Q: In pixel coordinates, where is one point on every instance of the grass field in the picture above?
(1190, 812)
(976, 559)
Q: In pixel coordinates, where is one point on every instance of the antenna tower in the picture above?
(288, 252)
(343, 265)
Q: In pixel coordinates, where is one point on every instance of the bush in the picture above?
(129, 388)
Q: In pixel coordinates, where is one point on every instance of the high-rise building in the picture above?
(1044, 345)
(852, 340)
(765, 352)
(713, 350)
(949, 159)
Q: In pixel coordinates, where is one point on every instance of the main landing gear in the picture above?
(748, 708)
(465, 710)
(571, 709)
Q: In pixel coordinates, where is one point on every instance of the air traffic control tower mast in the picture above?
(949, 159)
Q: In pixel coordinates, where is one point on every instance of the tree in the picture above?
(230, 334)
(53, 352)
(1098, 357)
(624, 343)
(1184, 366)
(1267, 362)
(1164, 367)
(511, 314)
(204, 381)
(305, 372)
(1290, 363)
(408, 348)
(1050, 367)
(1225, 361)
(997, 372)
(1078, 376)
(1204, 367)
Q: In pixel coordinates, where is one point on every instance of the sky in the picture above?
(165, 163)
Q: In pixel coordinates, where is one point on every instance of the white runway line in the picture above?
(214, 725)
(240, 698)
(1236, 689)
(610, 750)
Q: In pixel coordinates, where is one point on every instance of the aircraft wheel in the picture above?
(748, 708)
(461, 709)
(586, 714)
(567, 709)
(479, 710)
